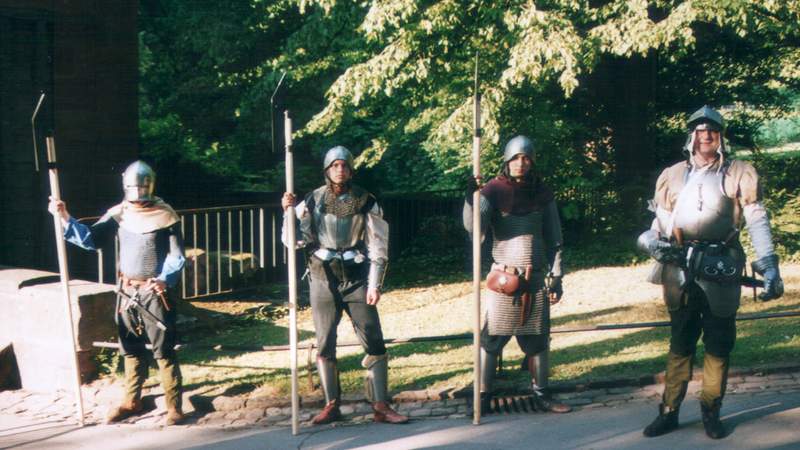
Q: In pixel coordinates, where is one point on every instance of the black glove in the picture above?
(555, 286)
(773, 284)
(472, 185)
(664, 252)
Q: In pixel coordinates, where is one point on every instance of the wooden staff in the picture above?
(292, 257)
(61, 246)
(476, 253)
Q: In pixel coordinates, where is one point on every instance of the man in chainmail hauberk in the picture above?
(150, 261)
(346, 240)
(525, 277)
(699, 205)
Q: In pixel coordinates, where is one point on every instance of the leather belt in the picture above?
(327, 254)
(513, 270)
(135, 282)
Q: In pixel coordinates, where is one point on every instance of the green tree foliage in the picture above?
(602, 86)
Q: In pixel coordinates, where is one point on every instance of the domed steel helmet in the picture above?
(517, 145)
(337, 153)
(139, 182)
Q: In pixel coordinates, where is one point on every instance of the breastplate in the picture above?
(702, 210)
(339, 227)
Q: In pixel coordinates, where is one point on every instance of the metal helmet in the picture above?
(517, 145)
(337, 153)
(708, 115)
(703, 119)
(139, 182)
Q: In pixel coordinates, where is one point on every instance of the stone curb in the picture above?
(242, 412)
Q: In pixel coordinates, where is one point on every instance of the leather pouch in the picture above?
(503, 282)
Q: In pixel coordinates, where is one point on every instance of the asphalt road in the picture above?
(762, 421)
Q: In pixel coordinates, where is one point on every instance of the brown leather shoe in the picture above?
(384, 413)
(545, 403)
(174, 417)
(124, 410)
(330, 413)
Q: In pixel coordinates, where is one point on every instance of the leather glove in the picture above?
(773, 284)
(472, 185)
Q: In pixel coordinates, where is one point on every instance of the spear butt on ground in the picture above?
(292, 263)
(476, 255)
(61, 246)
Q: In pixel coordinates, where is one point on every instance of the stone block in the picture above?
(33, 320)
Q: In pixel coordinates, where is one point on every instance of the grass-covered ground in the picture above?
(592, 296)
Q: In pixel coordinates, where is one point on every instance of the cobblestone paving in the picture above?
(243, 411)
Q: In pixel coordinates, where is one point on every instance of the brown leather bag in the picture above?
(503, 282)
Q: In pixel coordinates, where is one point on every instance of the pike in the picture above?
(61, 248)
(292, 266)
(476, 253)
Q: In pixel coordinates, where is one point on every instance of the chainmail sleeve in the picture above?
(376, 239)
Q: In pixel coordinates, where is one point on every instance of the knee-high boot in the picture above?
(135, 376)
(171, 382)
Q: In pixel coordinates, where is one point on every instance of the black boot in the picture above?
(666, 421)
(711, 422)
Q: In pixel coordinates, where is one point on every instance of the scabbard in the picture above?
(525, 310)
(164, 301)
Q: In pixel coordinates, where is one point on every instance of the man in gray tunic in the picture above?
(699, 206)
(526, 249)
(346, 240)
(150, 261)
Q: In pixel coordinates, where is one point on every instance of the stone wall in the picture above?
(33, 321)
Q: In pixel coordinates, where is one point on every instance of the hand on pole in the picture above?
(58, 209)
(287, 200)
(373, 296)
(472, 184)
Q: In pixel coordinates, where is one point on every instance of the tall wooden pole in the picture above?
(292, 262)
(476, 253)
(55, 192)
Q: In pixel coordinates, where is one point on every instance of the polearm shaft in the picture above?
(476, 253)
(292, 262)
(61, 246)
